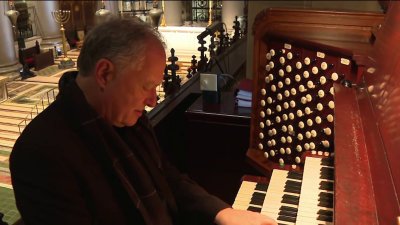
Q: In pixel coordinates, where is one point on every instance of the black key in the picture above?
(261, 187)
(293, 183)
(325, 212)
(327, 161)
(327, 176)
(325, 185)
(292, 187)
(288, 213)
(258, 195)
(257, 201)
(295, 175)
(254, 209)
(325, 198)
(325, 218)
(288, 196)
(287, 218)
(292, 190)
(327, 170)
(290, 199)
(288, 208)
(326, 204)
(325, 195)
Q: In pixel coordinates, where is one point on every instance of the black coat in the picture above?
(62, 172)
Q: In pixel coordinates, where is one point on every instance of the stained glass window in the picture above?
(200, 10)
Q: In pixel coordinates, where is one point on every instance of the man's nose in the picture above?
(151, 101)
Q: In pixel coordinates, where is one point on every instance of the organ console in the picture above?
(324, 117)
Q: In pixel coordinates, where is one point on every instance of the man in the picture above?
(92, 157)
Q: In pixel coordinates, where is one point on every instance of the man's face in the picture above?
(125, 97)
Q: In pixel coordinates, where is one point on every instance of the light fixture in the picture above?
(102, 14)
(13, 16)
(155, 15)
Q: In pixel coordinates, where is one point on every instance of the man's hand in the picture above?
(230, 216)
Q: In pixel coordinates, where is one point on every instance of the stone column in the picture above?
(173, 13)
(50, 30)
(9, 63)
(230, 9)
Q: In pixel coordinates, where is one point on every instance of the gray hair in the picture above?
(122, 41)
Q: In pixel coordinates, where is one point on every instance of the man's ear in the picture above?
(104, 72)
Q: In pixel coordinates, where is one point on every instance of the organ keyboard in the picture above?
(293, 197)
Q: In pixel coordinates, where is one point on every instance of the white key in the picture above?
(308, 202)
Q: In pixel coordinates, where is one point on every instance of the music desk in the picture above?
(217, 137)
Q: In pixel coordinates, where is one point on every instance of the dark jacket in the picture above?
(70, 167)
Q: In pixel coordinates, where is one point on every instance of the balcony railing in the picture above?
(44, 102)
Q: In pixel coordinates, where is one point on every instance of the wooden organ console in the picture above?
(325, 117)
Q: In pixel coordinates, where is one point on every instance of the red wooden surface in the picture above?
(354, 199)
(381, 116)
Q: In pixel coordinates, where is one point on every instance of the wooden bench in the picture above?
(26, 55)
(34, 58)
(43, 60)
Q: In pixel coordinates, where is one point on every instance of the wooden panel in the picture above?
(217, 137)
(333, 27)
(382, 183)
(89, 10)
(383, 87)
(82, 16)
(354, 198)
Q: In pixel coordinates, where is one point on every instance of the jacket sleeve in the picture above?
(44, 189)
(195, 204)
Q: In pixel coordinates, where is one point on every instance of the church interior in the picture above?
(295, 99)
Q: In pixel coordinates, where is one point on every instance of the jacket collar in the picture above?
(74, 104)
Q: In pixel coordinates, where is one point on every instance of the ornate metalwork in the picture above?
(62, 17)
